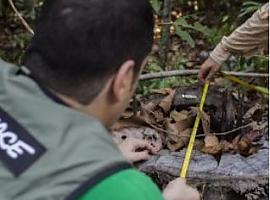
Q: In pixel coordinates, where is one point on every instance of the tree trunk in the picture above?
(165, 36)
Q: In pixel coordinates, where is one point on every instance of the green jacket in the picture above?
(50, 151)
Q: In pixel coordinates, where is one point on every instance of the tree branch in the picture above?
(228, 132)
(166, 74)
(25, 24)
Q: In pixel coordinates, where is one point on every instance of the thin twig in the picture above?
(165, 23)
(228, 132)
(195, 72)
(26, 25)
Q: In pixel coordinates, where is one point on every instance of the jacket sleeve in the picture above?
(125, 185)
(246, 39)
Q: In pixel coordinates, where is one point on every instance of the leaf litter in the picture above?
(166, 126)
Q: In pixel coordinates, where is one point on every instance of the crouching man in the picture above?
(78, 74)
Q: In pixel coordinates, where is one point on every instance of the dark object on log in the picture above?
(232, 178)
(220, 104)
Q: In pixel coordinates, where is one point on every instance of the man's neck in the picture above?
(95, 109)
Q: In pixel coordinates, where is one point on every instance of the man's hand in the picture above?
(179, 190)
(136, 150)
(208, 69)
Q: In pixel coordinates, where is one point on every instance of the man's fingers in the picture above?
(179, 190)
(142, 144)
(208, 70)
(177, 181)
(183, 180)
(211, 74)
(204, 71)
(148, 147)
(138, 156)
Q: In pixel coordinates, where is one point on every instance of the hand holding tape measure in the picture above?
(186, 162)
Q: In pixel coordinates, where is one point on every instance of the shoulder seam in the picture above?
(97, 178)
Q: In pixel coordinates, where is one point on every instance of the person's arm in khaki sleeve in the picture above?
(245, 40)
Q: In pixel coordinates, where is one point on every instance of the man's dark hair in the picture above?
(78, 44)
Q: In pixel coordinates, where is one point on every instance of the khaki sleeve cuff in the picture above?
(220, 54)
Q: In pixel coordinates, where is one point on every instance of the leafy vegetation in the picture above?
(196, 27)
(249, 7)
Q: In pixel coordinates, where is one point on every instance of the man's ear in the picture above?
(123, 80)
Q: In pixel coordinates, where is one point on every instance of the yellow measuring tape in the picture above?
(186, 162)
(260, 89)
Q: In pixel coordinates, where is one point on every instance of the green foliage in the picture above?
(156, 4)
(184, 29)
(147, 86)
(14, 38)
(190, 28)
(180, 24)
(256, 63)
(153, 64)
(249, 7)
(15, 46)
(184, 35)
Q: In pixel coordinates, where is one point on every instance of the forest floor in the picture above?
(231, 150)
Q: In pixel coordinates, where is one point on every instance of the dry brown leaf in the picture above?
(251, 136)
(176, 139)
(253, 150)
(146, 114)
(179, 116)
(205, 123)
(184, 119)
(185, 135)
(212, 145)
(143, 117)
(134, 121)
(182, 125)
(166, 103)
(198, 145)
(159, 115)
(176, 142)
(245, 143)
(236, 141)
(163, 91)
(151, 114)
(205, 118)
(211, 140)
(226, 146)
(127, 114)
(149, 106)
(172, 128)
(150, 120)
(252, 110)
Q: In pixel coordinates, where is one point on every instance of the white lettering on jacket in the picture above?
(10, 143)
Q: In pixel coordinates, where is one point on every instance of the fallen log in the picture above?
(233, 177)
